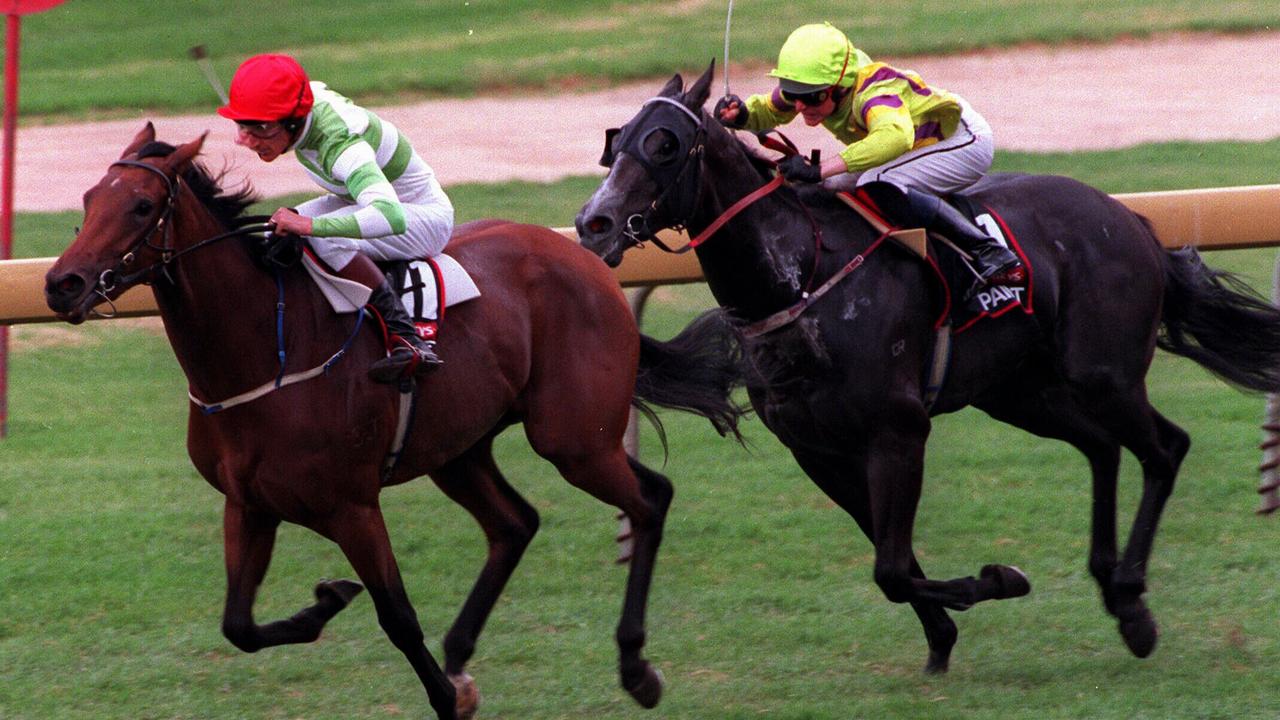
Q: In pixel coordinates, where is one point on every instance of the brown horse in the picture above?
(550, 344)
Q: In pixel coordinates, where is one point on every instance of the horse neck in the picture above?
(758, 262)
(219, 309)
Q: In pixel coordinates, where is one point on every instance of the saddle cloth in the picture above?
(957, 278)
(418, 291)
(960, 308)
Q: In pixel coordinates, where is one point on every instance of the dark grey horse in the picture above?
(842, 385)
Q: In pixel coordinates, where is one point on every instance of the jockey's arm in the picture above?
(890, 133)
(764, 112)
(380, 212)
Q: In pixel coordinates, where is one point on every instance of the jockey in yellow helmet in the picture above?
(907, 142)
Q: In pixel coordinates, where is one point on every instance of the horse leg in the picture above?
(895, 473)
(361, 532)
(1158, 443)
(845, 484)
(1160, 447)
(509, 523)
(644, 495)
(248, 538)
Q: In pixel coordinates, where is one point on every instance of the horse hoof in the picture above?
(1010, 581)
(648, 691)
(1140, 633)
(342, 591)
(468, 697)
(937, 664)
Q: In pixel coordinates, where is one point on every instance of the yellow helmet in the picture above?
(814, 57)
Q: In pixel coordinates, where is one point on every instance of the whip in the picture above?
(201, 56)
(728, 22)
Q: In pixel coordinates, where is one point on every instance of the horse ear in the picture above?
(184, 154)
(701, 89)
(146, 135)
(673, 86)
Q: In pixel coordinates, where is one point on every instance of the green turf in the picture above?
(93, 57)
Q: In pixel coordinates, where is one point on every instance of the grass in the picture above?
(763, 605)
(119, 57)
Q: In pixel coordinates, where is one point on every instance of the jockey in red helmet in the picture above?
(382, 202)
(908, 142)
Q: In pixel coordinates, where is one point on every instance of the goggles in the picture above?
(811, 99)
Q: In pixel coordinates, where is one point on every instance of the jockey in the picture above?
(908, 143)
(383, 202)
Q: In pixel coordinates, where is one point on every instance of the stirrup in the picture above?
(407, 359)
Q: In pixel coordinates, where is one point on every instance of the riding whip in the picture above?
(728, 21)
(201, 56)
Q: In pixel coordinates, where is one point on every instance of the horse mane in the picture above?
(226, 207)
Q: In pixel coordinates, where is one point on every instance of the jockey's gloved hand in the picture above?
(796, 168)
(731, 112)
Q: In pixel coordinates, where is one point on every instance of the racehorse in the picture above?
(840, 376)
(550, 343)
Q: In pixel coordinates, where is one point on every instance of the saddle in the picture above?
(425, 287)
(950, 265)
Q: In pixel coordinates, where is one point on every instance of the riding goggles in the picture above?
(811, 99)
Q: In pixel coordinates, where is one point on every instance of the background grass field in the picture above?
(90, 58)
(111, 578)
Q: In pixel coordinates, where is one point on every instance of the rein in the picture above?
(111, 278)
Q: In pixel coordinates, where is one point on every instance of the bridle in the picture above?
(642, 227)
(115, 277)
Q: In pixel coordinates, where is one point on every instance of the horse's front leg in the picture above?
(895, 475)
(248, 539)
(362, 534)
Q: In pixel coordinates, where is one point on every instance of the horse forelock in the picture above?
(207, 186)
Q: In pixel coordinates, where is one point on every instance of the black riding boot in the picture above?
(413, 354)
(994, 263)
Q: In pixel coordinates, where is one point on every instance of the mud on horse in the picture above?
(841, 385)
(550, 344)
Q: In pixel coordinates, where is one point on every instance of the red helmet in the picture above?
(267, 88)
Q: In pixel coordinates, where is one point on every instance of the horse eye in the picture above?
(662, 147)
(144, 207)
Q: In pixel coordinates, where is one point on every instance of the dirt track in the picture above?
(1192, 87)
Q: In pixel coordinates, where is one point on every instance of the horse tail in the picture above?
(1214, 318)
(696, 371)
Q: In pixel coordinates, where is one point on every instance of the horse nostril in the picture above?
(66, 286)
(599, 225)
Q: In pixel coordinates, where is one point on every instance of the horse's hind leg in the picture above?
(848, 489)
(644, 495)
(1098, 431)
(248, 538)
(362, 534)
(509, 523)
(1160, 447)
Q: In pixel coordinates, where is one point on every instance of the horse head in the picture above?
(655, 169)
(128, 230)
